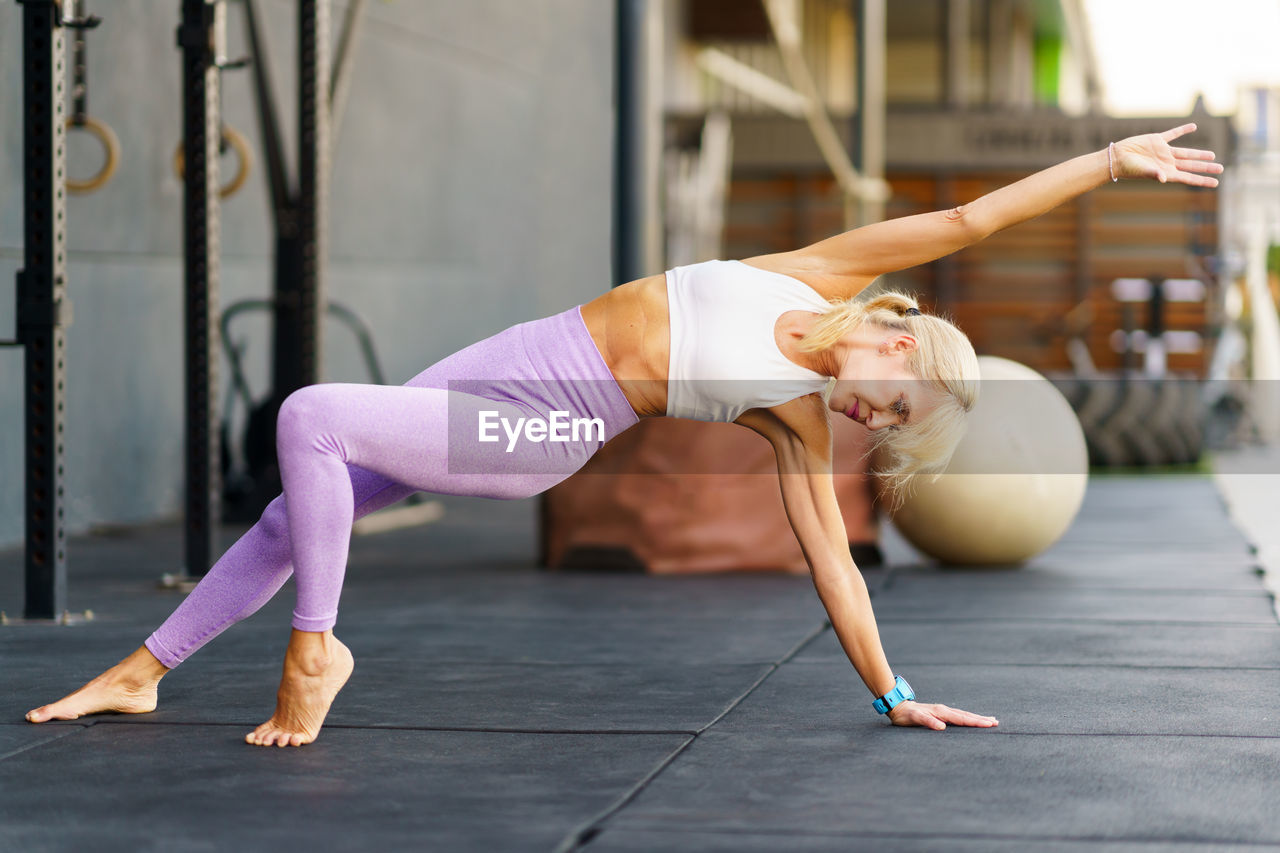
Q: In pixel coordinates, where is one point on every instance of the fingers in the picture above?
(937, 717)
(1192, 154)
(1195, 180)
(1196, 173)
(1200, 165)
(963, 718)
(928, 718)
(1170, 135)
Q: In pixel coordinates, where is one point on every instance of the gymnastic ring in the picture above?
(241, 145)
(111, 154)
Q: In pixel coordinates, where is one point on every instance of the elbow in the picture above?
(972, 221)
(835, 578)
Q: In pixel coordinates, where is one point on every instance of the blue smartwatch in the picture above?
(900, 693)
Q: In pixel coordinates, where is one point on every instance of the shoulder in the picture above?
(812, 269)
(802, 425)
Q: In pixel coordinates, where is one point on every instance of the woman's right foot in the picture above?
(129, 687)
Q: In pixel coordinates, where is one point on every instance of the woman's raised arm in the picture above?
(860, 255)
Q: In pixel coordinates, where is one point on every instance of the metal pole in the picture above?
(871, 103)
(198, 36)
(629, 92)
(300, 248)
(43, 308)
(343, 61)
(637, 224)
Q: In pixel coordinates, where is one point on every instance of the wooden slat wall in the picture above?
(1014, 292)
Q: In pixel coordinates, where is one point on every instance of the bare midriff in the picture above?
(630, 326)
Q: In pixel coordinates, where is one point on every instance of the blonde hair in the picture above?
(944, 361)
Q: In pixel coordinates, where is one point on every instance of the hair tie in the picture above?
(912, 312)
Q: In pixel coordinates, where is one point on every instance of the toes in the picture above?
(261, 735)
(264, 736)
(45, 714)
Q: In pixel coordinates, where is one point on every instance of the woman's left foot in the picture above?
(308, 687)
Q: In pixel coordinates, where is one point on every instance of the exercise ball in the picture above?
(1016, 481)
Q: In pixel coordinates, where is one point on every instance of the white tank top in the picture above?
(724, 357)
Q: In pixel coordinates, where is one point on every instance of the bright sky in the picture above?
(1155, 55)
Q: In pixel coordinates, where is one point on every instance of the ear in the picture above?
(900, 344)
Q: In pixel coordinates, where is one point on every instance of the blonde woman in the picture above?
(755, 342)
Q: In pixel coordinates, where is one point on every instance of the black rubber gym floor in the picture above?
(1135, 669)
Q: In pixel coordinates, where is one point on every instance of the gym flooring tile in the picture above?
(496, 707)
(19, 737)
(442, 594)
(975, 783)
(1105, 544)
(142, 787)
(642, 697)
(950, 600)
(585, 640)
(1054, 573)
(621, 840)
(1075, 700)
(1172, 534)
(1031, 641)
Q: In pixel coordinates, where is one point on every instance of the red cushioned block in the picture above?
(674, 496)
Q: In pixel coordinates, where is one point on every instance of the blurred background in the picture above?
(502, 160)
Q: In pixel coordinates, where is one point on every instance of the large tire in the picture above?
(1133, 420)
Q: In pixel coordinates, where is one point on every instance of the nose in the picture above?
(878, 420)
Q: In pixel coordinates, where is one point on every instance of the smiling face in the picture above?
(874, 385)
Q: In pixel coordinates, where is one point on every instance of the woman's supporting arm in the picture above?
(801, 438)
(860, 255)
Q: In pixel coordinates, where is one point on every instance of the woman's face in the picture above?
(874, 386)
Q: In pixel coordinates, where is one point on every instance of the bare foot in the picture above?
(129, 687)
(316, 666)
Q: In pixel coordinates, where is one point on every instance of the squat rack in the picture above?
(43, 309)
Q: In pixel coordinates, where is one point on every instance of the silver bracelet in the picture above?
(1110, 162)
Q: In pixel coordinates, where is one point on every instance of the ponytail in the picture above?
(890, 309)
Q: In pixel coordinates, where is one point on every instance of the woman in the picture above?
(755, 342)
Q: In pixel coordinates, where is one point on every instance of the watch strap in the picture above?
(900, 693)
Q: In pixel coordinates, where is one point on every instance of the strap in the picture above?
(900, 693)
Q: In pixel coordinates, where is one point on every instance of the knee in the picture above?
(300, 413)
(274, 522)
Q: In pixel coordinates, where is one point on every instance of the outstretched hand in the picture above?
(1151, 156)
(936, 717)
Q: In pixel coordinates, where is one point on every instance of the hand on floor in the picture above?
(936, 716)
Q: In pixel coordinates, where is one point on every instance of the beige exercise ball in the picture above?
(1016, 481)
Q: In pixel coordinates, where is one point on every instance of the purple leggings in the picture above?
(467, 425)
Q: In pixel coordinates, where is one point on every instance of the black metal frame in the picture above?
(43, 307)
(628, 159)
(300, 296)
(299, 208)
(197, 36)
(300, 215)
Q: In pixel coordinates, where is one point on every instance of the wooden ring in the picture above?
(110, 150)
(237, 141)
